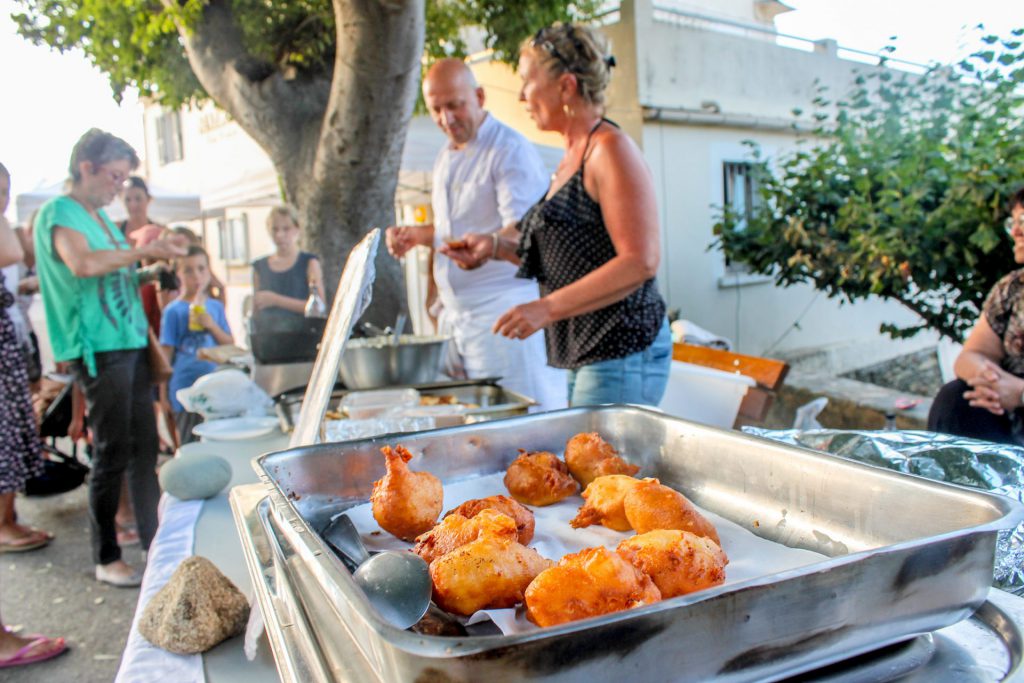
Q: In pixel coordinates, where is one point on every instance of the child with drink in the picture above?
(191, 322)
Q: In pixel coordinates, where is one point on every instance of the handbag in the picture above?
(61, 474)
(159, 367)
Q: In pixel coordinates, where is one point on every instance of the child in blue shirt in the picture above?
(191, 322)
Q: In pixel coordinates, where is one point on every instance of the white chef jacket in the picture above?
(488, 184)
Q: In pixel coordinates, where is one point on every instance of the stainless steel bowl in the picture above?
(376, 362)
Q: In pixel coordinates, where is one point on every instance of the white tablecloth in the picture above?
(203, 528)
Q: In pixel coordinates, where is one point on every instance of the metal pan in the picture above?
(493, 401)
(906, 555)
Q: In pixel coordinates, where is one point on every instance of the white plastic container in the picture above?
(704, 395)
(365, 405)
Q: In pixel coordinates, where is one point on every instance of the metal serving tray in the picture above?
(494, 400)
(906, 555)
(987, 647)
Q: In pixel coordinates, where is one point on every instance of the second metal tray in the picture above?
(492, 400)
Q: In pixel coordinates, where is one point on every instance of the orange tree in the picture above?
(900, 193)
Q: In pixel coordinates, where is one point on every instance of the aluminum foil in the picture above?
(994, 467)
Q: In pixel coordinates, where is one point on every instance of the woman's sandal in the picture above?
(32, 541)
(25, 655)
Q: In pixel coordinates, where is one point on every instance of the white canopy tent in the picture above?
(168, 206)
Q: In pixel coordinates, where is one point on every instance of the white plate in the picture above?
(236, 428)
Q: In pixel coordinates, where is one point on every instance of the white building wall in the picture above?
(703, 91)
(758, 316)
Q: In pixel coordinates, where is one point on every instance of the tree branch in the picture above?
(277, 112)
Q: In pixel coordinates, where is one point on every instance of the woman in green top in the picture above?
(90, 288)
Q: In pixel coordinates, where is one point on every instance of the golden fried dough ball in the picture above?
(604, 498)
(522, 515)
(651, 505)
(589, 583)
(405, 503)
(488, 573)
(455, 531)
(589, 457)
(539, 478)
(677, 561)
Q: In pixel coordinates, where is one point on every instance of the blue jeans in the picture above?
(637, 378)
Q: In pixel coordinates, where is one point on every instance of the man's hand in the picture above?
(519, 322)
(264, 299)
(401, 238)
(994, 389)
(163, 249)
(471, 251)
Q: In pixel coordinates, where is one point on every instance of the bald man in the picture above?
(484, 179)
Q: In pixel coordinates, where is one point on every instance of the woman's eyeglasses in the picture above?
(1012, 223)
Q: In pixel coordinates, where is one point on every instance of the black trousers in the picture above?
(120, 404)
(952, 414)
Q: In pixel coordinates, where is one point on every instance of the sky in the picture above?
(51, 99)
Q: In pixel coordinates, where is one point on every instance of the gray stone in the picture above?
(199, 475)
(198, 608)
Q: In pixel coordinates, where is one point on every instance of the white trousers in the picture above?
(477, 353)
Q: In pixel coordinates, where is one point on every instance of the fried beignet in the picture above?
(651, 505)
(489, 573)
(677, 561)
(604, 498)
(405, 503)
(539, 478)
(589, 457)
(455, 531)
(586, 584)
(523, 515)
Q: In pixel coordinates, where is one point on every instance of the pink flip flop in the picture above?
(22, 656)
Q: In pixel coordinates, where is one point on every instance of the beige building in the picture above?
(694, 81)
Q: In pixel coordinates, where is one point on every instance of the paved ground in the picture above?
(53, 591)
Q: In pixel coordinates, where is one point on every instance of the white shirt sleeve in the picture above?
(519, 178)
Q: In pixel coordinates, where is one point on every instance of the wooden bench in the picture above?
(767, 372)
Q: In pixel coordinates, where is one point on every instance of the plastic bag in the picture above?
(225, 393)
(807, 414)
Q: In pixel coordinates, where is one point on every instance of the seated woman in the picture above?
(281, 281)
(987, 398)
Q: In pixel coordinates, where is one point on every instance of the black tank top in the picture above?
(293, 283)
(563, 239)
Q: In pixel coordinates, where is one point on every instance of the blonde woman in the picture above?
(592, 242)
(281, 281)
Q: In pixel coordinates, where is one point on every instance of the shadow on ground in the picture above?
(53, 591)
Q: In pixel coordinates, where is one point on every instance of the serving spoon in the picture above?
(396, 582)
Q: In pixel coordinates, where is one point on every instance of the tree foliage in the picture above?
(900, 192)
(326, 88)
(137, 43)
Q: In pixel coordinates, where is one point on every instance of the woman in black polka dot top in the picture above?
(592, 242)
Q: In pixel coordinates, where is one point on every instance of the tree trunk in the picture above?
(336, 143)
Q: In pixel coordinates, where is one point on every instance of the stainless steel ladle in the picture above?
(396, 582)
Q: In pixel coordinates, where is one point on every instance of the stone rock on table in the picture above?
(198, 608)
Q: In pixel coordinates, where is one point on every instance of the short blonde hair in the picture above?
(578, 50)
(282, 210)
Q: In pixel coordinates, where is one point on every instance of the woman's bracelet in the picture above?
(494, 245)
